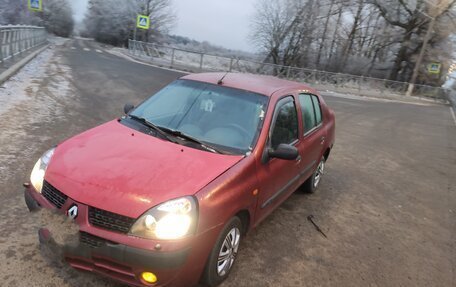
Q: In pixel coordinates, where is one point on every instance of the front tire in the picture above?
(313, 182)
(224, 253)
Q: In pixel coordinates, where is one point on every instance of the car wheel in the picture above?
(312, 183)
(223, 255)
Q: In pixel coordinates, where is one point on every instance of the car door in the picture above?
(278, 177)
(314, 135)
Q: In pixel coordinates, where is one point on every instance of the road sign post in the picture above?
(35, 5)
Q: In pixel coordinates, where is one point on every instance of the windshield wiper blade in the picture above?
(192, 139)
(152, 126)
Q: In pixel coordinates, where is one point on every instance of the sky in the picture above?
(79, 9)
(221, 22)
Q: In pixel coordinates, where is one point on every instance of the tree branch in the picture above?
(385, 15)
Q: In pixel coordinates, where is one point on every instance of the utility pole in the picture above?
(416, 70)
(435, 4)
(147, 13)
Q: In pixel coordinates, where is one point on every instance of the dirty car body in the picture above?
(163, 195)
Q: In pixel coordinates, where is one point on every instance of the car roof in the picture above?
(265, 85)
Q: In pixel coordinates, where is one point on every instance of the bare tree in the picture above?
(411, 18)
(273, 22)
(378, 38)
(348, 46)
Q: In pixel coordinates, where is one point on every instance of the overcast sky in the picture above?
(221, 22)
(79, 9)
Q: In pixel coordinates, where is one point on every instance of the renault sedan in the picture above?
(164, 195)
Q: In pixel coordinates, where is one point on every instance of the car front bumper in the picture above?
(110, 258)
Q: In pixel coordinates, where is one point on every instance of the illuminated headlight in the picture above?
(37, 176)
(173, 219)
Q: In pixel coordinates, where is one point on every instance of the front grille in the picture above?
(53, 195)
(92, 240)
(108, 220)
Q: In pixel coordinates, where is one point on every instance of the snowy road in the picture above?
(387, 202)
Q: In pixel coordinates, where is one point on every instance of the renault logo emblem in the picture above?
(73, 211)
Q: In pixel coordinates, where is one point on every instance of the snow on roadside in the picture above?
(26, 80)
(13, 90)
(37, 94)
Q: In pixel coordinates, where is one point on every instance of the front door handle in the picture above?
(322, 140)
(298, 159)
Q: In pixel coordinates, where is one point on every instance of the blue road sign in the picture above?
(143, 22)
(35, 5)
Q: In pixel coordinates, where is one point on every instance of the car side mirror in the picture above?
(128, 108)
(284, 151)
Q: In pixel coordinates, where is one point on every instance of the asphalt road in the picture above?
(387, 202)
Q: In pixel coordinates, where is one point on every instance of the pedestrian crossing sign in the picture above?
(143, 22)
(35, 5)
(434, 68)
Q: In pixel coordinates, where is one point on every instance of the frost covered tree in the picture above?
(161, 14)
(16, 13)
(56, 16)
(110, 22)
(114, 22)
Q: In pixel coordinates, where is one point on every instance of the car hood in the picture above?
(118, 169)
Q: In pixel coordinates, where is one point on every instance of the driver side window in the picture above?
(286, 123)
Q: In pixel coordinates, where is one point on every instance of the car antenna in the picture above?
(220, 82)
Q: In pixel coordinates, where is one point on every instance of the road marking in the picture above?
(454, 117)
(82, 43)
(128, 58)
(99, 51)
(86, 49)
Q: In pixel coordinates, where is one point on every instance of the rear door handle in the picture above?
(322, 140)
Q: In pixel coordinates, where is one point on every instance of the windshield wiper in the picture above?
(192, 139)
(165, 131)
(152, 126)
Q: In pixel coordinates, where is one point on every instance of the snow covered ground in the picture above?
(37, 94)
(27, 81)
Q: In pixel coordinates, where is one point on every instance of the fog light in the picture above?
(149, 277)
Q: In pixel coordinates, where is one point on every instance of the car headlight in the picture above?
(171, 220)
(37, 176)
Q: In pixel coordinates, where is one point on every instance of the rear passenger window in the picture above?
(311, 111)
(308, 113)
(317, 108)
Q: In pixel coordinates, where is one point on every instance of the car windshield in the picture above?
(226, 118)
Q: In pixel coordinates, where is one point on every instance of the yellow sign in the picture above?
(35, 5)
(434, 68)
(143, 22)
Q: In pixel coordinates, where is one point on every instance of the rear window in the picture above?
(311, 111)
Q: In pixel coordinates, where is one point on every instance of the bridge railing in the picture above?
(198, 62)
(15, 40)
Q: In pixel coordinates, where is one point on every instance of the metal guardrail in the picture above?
(198, 62)
(15, 40)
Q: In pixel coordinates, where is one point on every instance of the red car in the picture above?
(164, 195)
